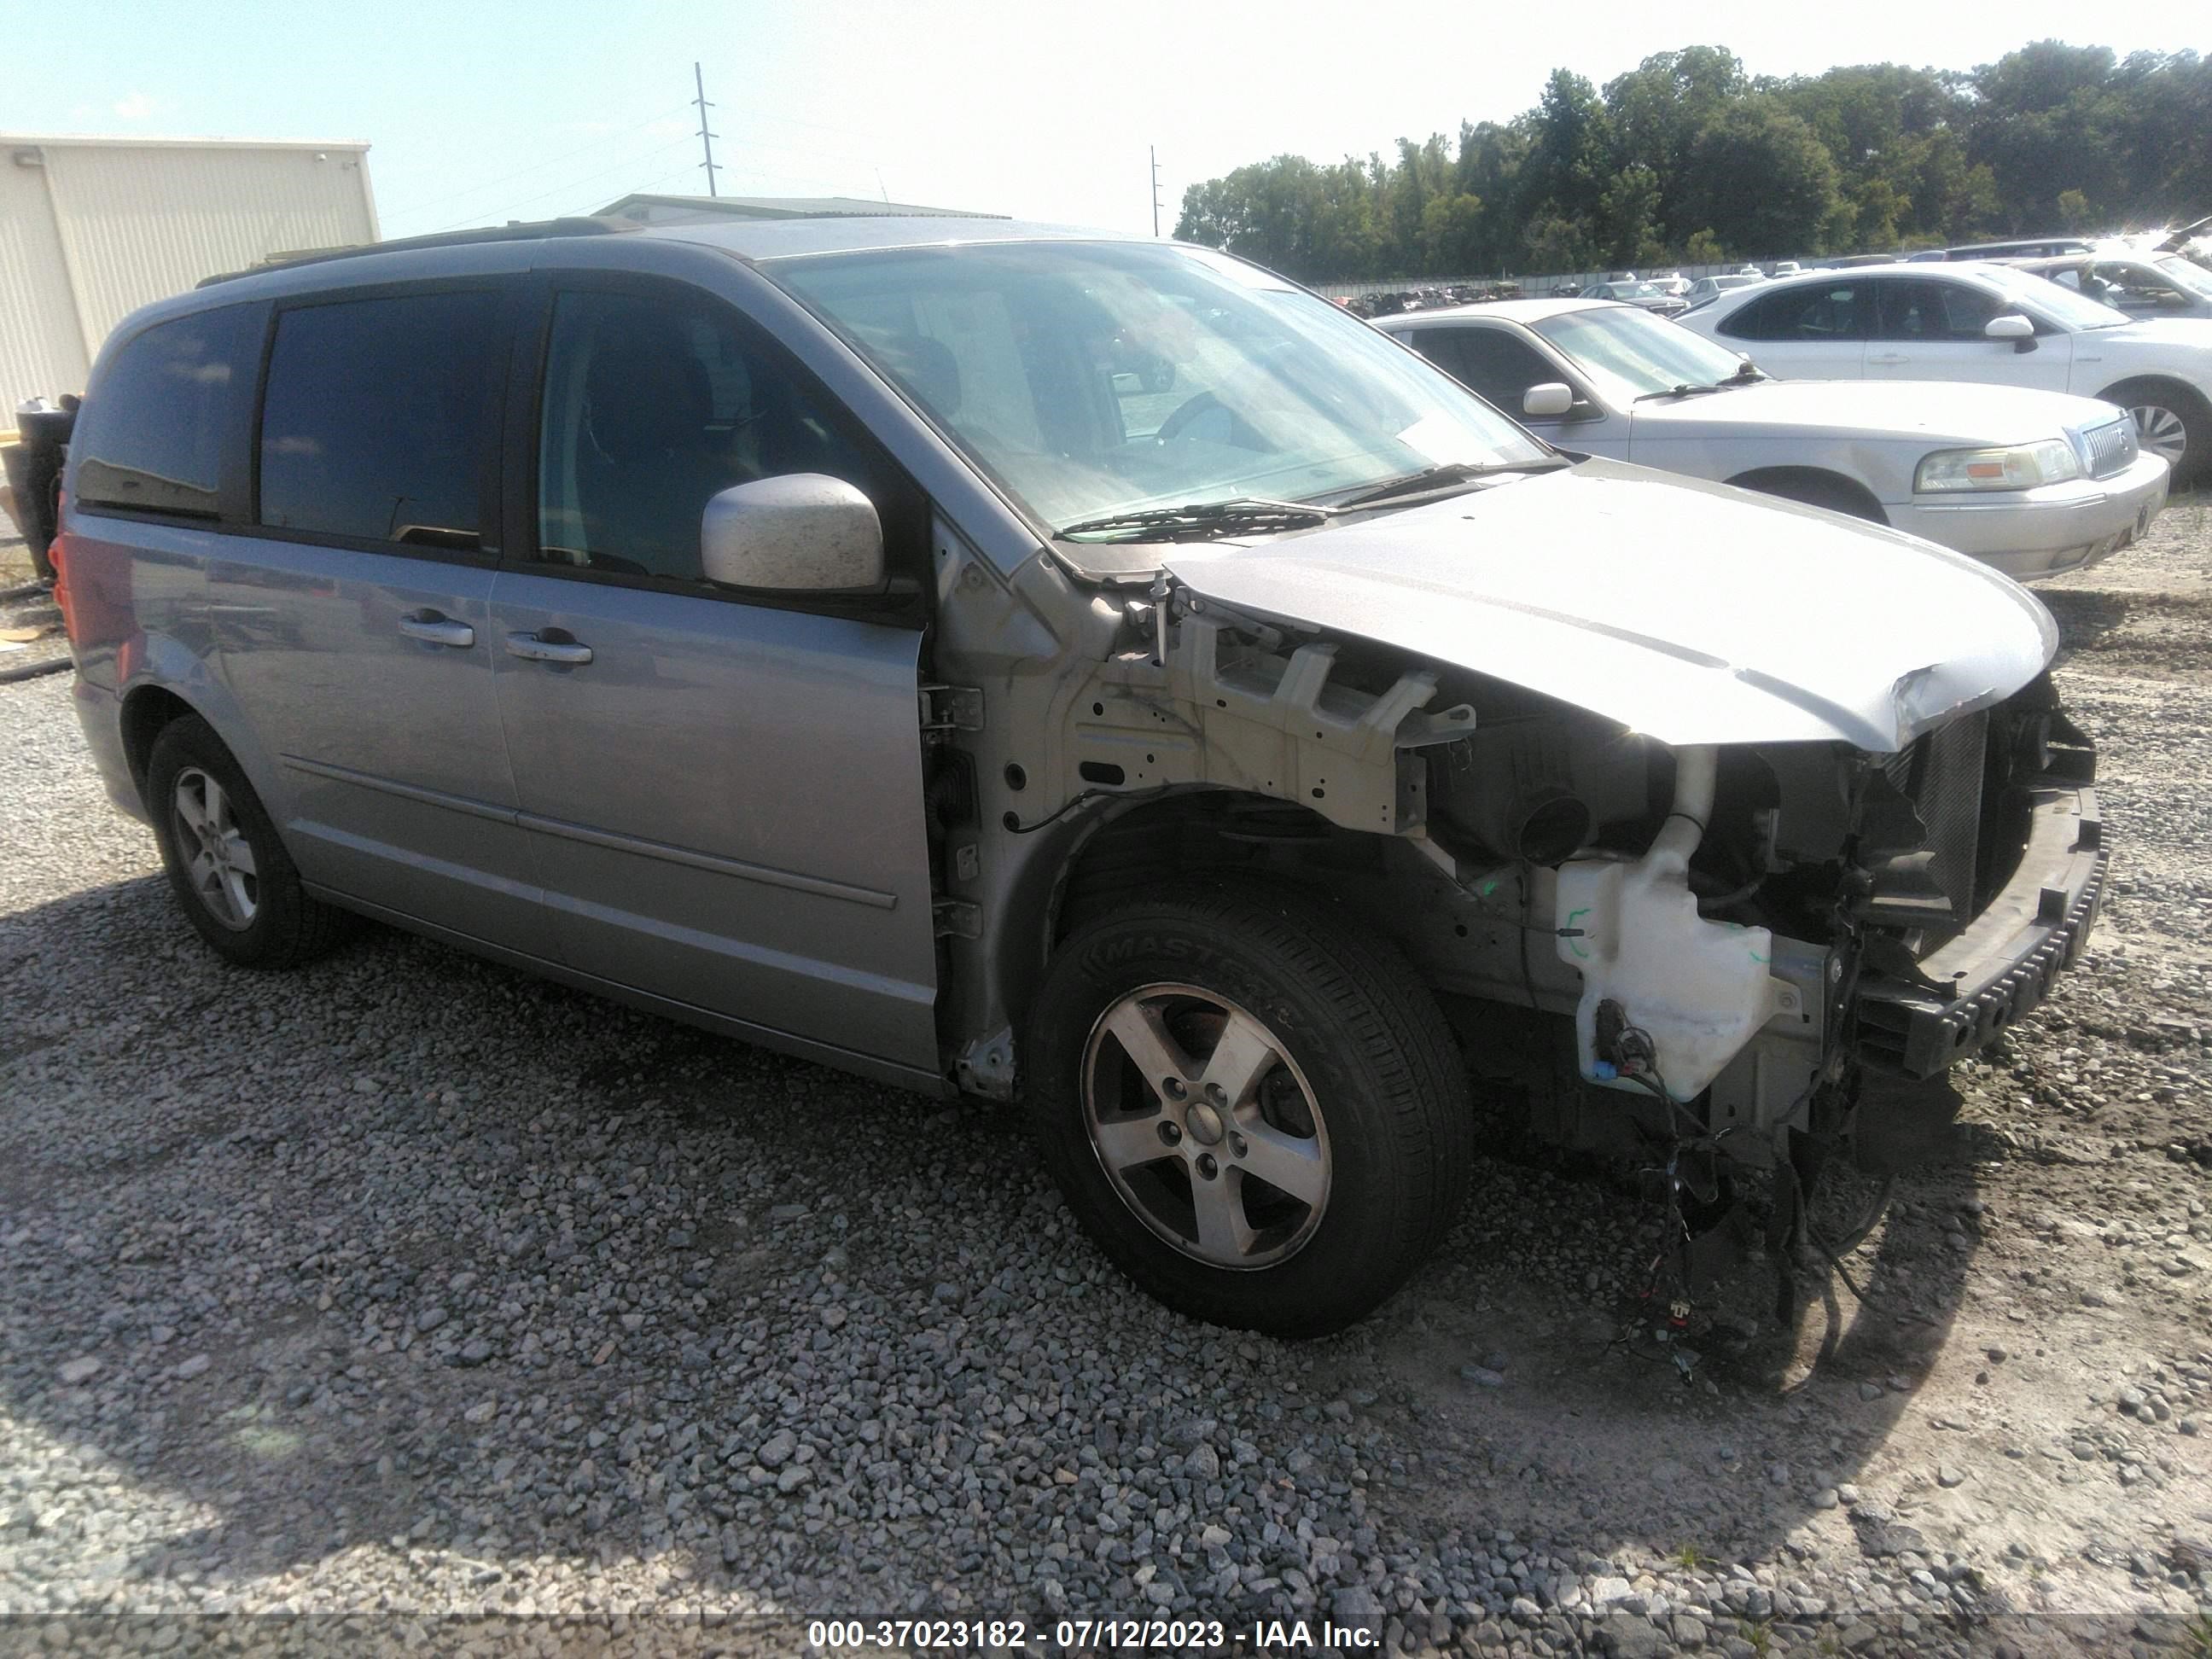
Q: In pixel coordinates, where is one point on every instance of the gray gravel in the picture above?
(409, 1284)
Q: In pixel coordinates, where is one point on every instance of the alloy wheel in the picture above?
(218, 858)
(1207, 1127)
(2162, 431)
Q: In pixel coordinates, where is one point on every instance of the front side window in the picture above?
(1500, 367)
(2185, 275)
(2045, 303)
(1925, 310)
(2136, 287)
(1093, 379)
(151, 433)
(1812, 313)
(652, 405)
(1632, 354)
(379, 418)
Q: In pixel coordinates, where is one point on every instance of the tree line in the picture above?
(1687, 158)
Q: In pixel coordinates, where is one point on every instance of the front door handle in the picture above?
(1890, 359)
(534, 648)
(434, 628)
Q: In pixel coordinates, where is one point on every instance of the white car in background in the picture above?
(1981, 322)
(1707, 289)
(2031, 482)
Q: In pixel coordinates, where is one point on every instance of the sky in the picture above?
(480, 111)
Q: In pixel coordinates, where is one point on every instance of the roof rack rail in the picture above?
(534, 231)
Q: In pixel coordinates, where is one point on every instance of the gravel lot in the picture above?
(408, 1286)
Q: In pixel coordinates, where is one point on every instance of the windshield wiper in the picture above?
(1445, 476)
(1745, 376)
(1200, 520)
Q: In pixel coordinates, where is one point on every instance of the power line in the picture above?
(706, 138)
(571, 184)
(551, 160)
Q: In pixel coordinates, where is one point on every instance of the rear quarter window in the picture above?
(1815, 312)
(152, 433)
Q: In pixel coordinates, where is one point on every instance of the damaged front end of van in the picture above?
(1690, 833)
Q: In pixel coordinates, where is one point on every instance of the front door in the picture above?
(723, 791)
(354, 620)
(1928, 329)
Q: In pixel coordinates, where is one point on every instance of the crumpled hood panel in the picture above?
(1687, 611)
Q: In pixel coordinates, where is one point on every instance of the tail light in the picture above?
(57, 552)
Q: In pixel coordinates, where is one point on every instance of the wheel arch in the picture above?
(1192, 832)
(147, 710)
(1779, 480)
(2182, 393)
(1082, 862)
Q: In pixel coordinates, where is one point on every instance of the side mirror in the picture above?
(1549, 401)
(2010, 326)
(802, 532)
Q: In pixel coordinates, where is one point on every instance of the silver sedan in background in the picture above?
(2032, 482)
(1645, 296)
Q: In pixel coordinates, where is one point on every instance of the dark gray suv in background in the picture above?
(816, 630)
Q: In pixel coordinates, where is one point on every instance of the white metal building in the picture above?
(92, 228)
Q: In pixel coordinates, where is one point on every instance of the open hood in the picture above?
(1688, 611)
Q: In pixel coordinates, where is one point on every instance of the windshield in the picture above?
(2192, 278)
(1096, 379)
(2061, 304)
(1630, 354)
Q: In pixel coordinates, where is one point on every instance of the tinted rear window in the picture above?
(1812, 311)
(379, 417)
(151, 433)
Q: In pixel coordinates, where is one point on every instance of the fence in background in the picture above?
(1535, 287)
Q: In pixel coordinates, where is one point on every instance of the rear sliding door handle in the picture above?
(435, 630)
(1890, 359)
(534, 648)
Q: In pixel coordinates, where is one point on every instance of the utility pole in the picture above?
(706, 138)
(1155, 150)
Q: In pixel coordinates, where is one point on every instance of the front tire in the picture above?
(1252, 1104)
(232, 876)
(2170, 422)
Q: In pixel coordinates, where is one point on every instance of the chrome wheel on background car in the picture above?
(219, 860)
(2162, 432)
(1207, 1129)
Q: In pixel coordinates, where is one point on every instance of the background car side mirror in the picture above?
(802, 532)
(1550, 400)
(2011, 327)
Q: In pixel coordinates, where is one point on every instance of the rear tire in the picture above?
(1297, 1200)
(232, 876)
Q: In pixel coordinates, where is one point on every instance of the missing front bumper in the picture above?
(2003, 963)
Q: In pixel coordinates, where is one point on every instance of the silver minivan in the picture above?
(1261, 772)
